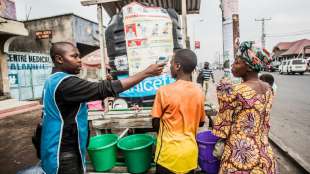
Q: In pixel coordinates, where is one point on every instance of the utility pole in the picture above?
(219, 57)
(263, 37)
(184, 25)
(230, 31)
(102, 41)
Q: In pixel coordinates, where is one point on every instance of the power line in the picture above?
(263, 37)
(303, 32)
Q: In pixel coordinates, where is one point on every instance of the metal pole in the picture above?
(101, 41)
(263, 33)
(219, 64)
(184, 23)
(194, 35)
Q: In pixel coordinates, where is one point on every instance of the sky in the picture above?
(290, 20)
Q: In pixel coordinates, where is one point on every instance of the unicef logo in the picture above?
(148, 87)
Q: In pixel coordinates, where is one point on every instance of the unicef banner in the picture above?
(147, 87)
(149, 40)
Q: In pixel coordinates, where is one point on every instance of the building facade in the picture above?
(290, 50)
(9, 29)
(29, 63)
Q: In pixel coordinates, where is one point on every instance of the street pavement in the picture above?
(290, 117)
(290, 120)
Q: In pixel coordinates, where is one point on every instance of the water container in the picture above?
(207, 162)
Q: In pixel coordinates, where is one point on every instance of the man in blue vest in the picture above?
(65, 126)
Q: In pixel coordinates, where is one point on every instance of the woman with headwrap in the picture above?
(243, 118)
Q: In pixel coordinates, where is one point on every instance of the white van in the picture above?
(293, 66)
(283, 67)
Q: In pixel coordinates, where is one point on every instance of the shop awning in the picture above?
(113, 6)
(12, 27)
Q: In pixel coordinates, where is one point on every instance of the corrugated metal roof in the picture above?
(193, 6)
(283, 45)
(297, 47)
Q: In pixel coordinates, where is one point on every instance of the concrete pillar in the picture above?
(4, 77)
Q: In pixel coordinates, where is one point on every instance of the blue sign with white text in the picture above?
(147, 87)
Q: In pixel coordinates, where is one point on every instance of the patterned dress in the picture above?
(243, 120)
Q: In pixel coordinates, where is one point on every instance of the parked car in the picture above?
(283, 67)
(293, 66)
(274, 66)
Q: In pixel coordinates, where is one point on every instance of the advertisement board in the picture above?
(27, 74)
(149, 40)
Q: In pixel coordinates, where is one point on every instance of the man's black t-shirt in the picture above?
(69, 94)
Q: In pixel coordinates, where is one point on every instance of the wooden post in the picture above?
(101, 41)
(184, 24)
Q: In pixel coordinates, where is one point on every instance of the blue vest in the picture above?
(53, 123)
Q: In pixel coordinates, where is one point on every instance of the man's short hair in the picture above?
(59, 48)
(267, 78)
(187, 59)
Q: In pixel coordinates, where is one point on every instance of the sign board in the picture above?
(27, 74)
(147, 87)
(43, 34)
(148, 34)
(95, 2)
(197, 44)
(149, 40)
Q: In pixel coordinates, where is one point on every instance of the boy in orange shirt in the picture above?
(178, 111)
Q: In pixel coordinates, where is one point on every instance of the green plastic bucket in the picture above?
(102, 151)
(137, 151)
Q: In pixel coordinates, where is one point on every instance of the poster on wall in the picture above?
(8, 9)
(27, 74)
(148, 33)
(230, 7)
(228, 46)
(149, 40)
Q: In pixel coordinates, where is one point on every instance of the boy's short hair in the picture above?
(186, 58)
(267, 78)
(58, 48)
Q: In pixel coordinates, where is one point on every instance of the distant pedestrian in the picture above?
(244, 115)
(204, 77)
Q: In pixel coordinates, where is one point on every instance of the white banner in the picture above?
(149, 39)
(228, 46)
(230, 7)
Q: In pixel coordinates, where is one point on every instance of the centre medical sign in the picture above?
(27, 74)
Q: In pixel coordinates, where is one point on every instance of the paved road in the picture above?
(290, 117)
(290, 120)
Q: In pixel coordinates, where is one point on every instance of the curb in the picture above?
(20, 111)
(279, 143)
(20, 107)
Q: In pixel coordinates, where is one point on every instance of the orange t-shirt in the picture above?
(180, 107)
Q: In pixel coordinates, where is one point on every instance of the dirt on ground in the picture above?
(16, 149)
